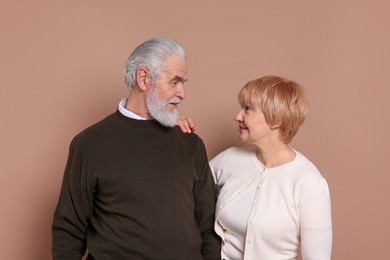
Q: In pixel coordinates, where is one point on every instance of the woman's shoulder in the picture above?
(235, 153)
(235, 150)
(306, 172)
(234, 160)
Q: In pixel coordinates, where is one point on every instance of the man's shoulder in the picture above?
(188, 137)
(96, 129)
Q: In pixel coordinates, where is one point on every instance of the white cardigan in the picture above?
(292, 205)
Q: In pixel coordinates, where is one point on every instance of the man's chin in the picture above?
(168, 119)
(167, 123)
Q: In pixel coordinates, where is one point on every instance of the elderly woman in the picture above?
(272, 202)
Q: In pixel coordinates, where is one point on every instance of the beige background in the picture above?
(61, 70)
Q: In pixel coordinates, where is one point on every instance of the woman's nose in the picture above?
(238, 117)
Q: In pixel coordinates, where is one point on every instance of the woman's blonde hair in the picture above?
(282, 101)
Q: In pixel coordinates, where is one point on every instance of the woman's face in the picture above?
(252, 125)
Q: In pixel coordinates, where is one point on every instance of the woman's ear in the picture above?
(143, 79)
(276, 125)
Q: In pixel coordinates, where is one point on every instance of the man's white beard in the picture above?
(158, 109)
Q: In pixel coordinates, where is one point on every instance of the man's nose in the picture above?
(180, 92)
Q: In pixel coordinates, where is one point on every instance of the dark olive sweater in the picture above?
(134, 189)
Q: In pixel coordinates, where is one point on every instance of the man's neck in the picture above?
(137, 105)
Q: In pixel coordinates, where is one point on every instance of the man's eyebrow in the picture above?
(177, 78)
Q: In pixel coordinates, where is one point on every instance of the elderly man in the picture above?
(135, 186)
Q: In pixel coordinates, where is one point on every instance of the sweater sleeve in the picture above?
(315, 219)
(204, 195)
(71, 215)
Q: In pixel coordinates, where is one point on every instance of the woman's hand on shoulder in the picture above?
(186, 125)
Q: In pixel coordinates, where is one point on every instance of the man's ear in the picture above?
(143, 79)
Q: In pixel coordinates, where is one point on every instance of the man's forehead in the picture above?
(175, 61)
(176, 67)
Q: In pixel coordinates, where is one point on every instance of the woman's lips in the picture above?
(241, 128)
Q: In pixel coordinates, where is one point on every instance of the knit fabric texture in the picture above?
(134, 189)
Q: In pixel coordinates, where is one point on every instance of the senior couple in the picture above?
(136, 186)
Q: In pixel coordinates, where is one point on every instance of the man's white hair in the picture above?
(151, 55)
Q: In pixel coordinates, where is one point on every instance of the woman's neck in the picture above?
(275, 155)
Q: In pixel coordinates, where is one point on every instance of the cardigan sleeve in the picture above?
(74, 204)
(315, 219)
(204, 196)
